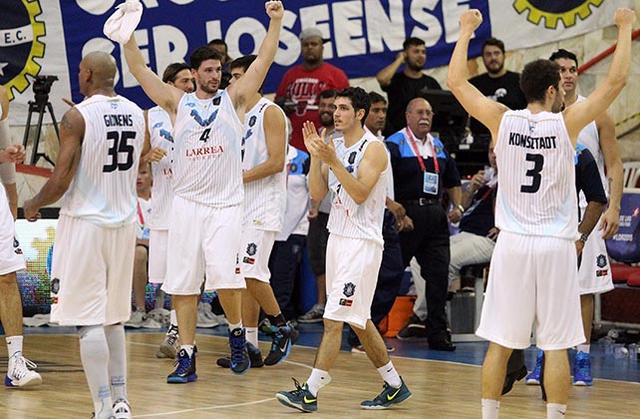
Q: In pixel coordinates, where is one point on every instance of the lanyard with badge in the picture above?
(430, 181)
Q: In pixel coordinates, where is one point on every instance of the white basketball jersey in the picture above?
(103, 190)
(590, 138)
(537, 193)
(207, 152)
(161, 133)
(265, 199)
(347, 218)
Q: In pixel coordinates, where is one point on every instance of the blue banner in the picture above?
(363, 36)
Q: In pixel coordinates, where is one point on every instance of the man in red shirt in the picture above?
(299, 90)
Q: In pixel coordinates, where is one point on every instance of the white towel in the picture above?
(120, 26)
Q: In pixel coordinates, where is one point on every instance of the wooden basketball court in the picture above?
(440, 389)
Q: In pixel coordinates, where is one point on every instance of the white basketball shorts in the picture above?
(351, 274)
(92, 271)
(255, 252)
(203, 241)
(533, 281)
(594, 274)
(11, 258)
(158, 255)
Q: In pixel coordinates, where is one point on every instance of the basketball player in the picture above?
(101, 140)
(265, 190)
(205, 221)
(160, 134)
(354, 168)
(533, 273)
(594, 274)
(19, 373)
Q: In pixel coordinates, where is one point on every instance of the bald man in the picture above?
(422, 171)
(101, 140)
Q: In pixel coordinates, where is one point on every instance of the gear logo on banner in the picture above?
(554, 11)
(20, 44)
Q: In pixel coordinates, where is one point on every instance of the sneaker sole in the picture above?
(532, 382)
(181, 380)
(286, 402)
(388, 406)
(36, 381)
(582, 383)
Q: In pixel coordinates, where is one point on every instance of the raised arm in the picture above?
(248, 85)
(71, 134)
(161, 93)
(578, 115)
(385, 75)
(485, 110)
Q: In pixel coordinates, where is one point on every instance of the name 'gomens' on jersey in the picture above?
(526, 141)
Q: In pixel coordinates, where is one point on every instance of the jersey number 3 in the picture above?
(119, 144)
(534, 173)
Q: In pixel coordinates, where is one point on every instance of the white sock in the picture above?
(252, 336)
(173, 318)
(14, 345)
(188, 348)
(317, 380)
(117, 361)
(390, 375)
(490, 409)
(556, 411)
(94, 354)
(234, 326)
(584, 348)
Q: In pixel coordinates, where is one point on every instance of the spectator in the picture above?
(140, 266)
(286, 256)
(391, 268)
(408, 84)
(497, 83)
(473, 245)
(298, 91)
(421, 169)
(219, 46)
(318, 217)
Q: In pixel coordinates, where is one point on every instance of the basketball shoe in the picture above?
(300, 398)
(388, 397)
(121, 409)
(185, 371)
(281, 343)
(19, 374)
(169, 346)
(254, 356)
(240, 361)
(533, 379)
(582, 370)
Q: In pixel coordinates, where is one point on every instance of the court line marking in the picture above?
(198, 409)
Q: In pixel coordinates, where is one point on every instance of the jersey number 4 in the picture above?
(119, 145)
(534, 173)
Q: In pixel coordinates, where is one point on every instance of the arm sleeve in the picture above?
(451, 176)
(590, 182)
(7, 170)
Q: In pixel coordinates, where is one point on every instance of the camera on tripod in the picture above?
(42, 88)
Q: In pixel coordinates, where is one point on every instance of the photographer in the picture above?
(408, 84)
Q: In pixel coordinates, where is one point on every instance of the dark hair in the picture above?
(172, 70)
(203, 54)
(413, 41)
(359, 100)
(493, 42)
(536, 77)
(328, 94)
(243, 62)
(375, 97)
(563, 53)
(217, 42)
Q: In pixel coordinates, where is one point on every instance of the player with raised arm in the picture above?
(206, 216)
(533, 277)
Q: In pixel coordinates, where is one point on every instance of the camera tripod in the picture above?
(40, 106)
